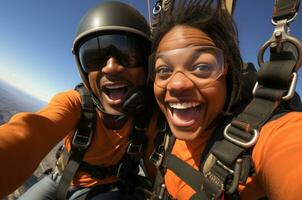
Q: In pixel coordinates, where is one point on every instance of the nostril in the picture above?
(112, 66)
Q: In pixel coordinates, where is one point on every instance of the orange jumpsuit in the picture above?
(277, 157)
(28, 137)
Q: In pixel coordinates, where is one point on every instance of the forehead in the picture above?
(183, 36)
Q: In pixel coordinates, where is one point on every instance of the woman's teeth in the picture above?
(184, 105)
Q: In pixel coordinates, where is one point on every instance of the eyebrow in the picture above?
(193, 57)
(162, 57)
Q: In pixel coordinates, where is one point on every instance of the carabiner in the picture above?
(280, 36)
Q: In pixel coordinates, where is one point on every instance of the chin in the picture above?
(185, 135)
(113, 111)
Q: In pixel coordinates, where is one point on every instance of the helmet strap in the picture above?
(133, 105)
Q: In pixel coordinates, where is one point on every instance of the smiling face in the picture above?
(113, 83)
(189, 105)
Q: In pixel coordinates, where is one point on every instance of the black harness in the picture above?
(127, 168)
(226, 160)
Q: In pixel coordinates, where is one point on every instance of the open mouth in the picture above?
(116, 93)
(184, 114)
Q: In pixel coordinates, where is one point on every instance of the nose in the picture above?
(112, 66)
(180, 82)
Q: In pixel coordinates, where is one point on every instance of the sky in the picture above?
(36, 38)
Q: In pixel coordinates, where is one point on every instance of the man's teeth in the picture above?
(184, 105)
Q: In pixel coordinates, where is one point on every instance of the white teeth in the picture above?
(184, 105)
(116, 86)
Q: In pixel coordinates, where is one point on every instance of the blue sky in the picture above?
(36, 39)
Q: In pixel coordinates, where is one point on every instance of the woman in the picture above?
(196, 68)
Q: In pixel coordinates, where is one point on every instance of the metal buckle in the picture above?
(291, 89)
(240, 143)
(236, 176)
(81, 141)
(213, 180)
(156, 158)
(119, 170)
(157, 8)
(134, 148)
(213, 186)
(280, 35)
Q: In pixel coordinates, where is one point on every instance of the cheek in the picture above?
(159, 95)
(138, 75)
(216, 97)
(93, 82)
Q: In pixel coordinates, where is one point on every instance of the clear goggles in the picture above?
(129, 50)
(201, 64)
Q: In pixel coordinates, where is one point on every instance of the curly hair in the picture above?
(218, 24)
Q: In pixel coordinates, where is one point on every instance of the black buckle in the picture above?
(241, 143)
(134, 149)
(214, 186)
(156, 158)
(98, 172)
(81, 141)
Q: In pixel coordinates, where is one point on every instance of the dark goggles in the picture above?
(129, 50)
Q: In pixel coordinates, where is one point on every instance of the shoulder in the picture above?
(277, 153)
(70, 97)
(280, 137)
(63, 103)
(291, 122)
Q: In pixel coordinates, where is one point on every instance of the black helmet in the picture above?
(106, 17)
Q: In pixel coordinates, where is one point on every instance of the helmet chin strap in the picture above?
(133, 105)
(100, 107)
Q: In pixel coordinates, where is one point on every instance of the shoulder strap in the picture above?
(81, 140)
(163, 144)
(275, 87)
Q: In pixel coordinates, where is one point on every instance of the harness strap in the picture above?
(243, 132)
(186, 172)
(285, 9)
(98, 172)
(81, 141)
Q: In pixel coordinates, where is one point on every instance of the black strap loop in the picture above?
(99, 172)
(285, 9)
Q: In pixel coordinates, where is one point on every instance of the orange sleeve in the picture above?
(277, 157)
(28, 137)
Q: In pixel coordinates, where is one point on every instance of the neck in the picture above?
(112, 121)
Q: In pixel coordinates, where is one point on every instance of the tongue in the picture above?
(116, 94)
(186, 114)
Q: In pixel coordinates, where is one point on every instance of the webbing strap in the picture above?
(68, 174)
(99, 172)
(242, 133)
(194, 178)
(81, 141)
(186, 172)
(285, 9)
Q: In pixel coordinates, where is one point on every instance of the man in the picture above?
(111, 50)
